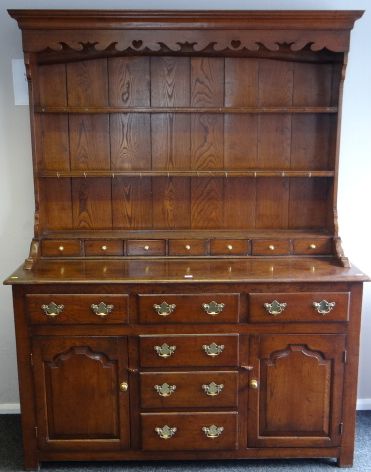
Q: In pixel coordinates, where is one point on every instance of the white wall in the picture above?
(16, 191)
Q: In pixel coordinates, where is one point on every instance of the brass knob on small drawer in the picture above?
(124, 386)
(104, 247)
(61, 248)
(271, 247)
(312, 246)
(229, 247)
(254, 384)
(146, 247)
(188, 247)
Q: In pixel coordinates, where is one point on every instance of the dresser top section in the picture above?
(297, 29)
(190, 271)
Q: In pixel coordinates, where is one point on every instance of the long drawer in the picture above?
(189, 431)
(209, 389)
(189, 308)
(305, 306)
(77, 308)
(189, 350)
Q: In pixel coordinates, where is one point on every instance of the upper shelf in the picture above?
(213, 110)
(187, 173)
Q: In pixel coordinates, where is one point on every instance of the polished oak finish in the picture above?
(186, 295)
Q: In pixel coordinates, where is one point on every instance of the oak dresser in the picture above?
(186, 295)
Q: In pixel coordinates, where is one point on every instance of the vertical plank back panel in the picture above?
(53, 85)
(206, 203)
(240, 141)
(312, 84)
(207, 141)
(276, 80)
(239, 203)
(313, 139)
(55, 204)
(309, 203)
(129, 81)
(55, 151)
(87, 83)
(241, 82)
(132, 203)
(272, 199)
(207, 82)
(170, 81)
(54, 128)
(89, 142)
(92, 207)
(130, 141)
(274, 141)
(171, 147)
(171, 203)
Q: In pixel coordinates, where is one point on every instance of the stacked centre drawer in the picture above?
(189, 382)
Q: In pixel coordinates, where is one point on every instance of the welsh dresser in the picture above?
(186, 295)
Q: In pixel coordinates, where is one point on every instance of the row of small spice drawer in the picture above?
(211, 308)
(184, 247)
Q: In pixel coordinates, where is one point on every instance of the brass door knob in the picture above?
(124, 386)
(254, 384)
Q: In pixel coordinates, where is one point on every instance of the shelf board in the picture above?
(186, 173)
(187, 233)
(214, 110)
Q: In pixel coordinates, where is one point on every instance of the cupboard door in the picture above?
(296, 400)
(81, 392)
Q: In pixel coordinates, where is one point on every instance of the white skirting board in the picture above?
(13, 408)
(9, 408)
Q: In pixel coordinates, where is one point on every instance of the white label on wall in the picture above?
(20, 84)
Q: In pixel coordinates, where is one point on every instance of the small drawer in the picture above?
(206, 389)
(189, 431)
(145, 247)
(313, 246)
(60, 248)
(189, 308)
(313, 306)
(189, 350)
(229, 247)
(270, 247)
(187, 247)
(77, 308)
(103, 247)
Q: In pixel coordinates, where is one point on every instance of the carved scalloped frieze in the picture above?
(183, 41)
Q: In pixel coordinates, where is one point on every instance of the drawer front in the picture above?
(188, 247)
(313, 246)
(104, 247)
(270, 247)
(227, 247)
(190, 308)
(77, 309)
(189, 431)
(145, 247)
(189, 350)
(60, 248)
(299, 307)
(208, 389)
